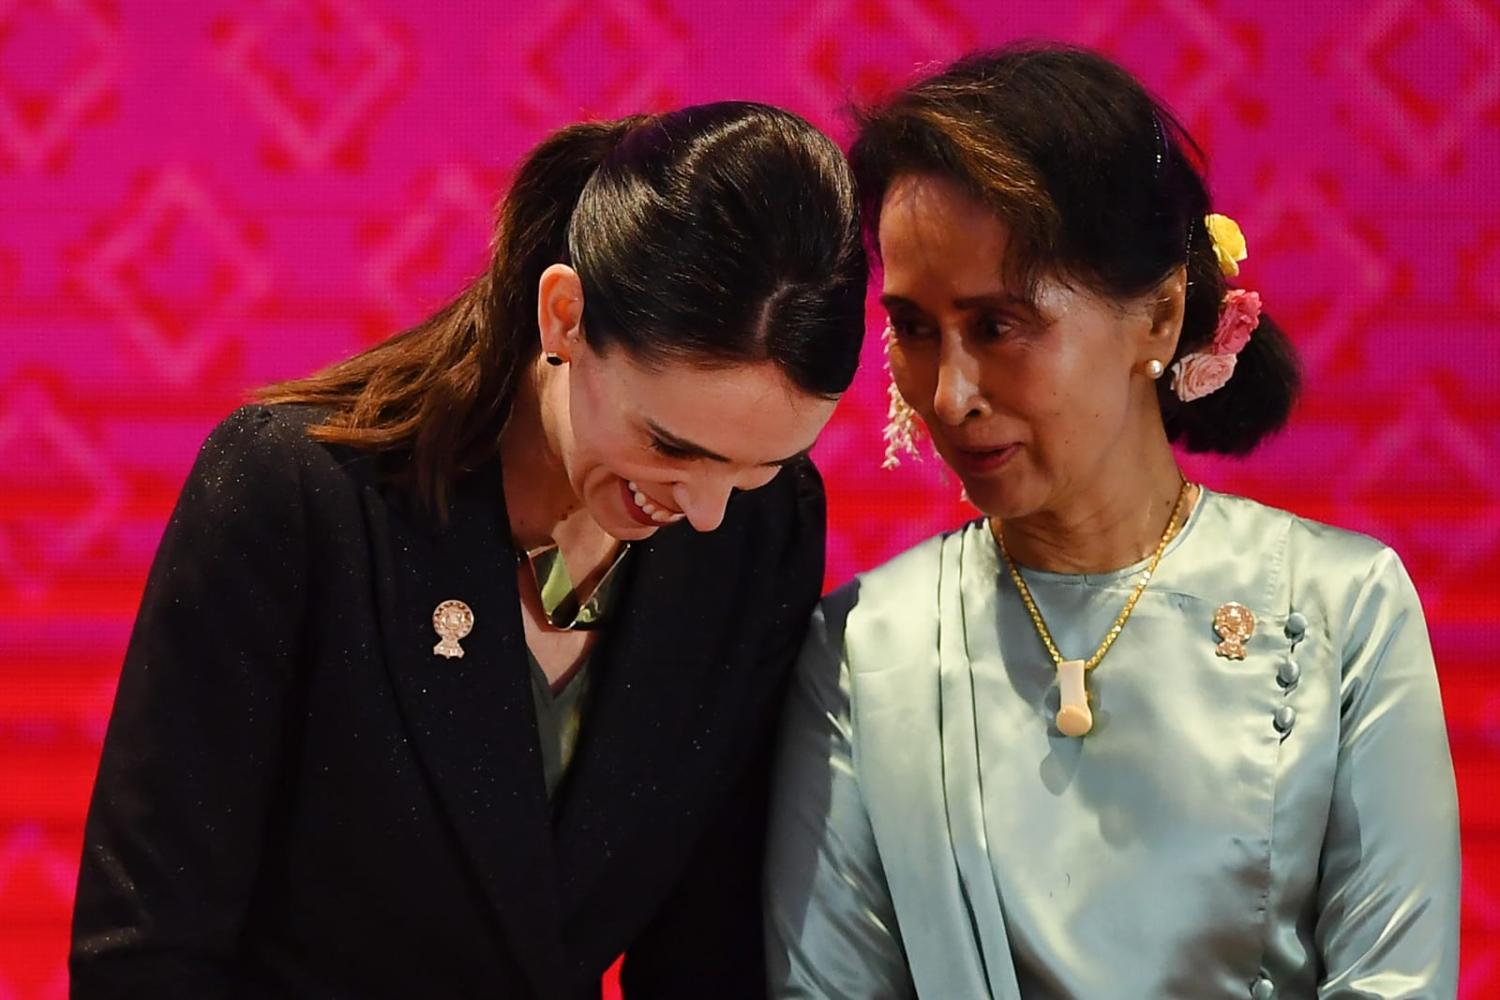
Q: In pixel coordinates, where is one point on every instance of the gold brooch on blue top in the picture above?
(1234, 623)
(452, 620)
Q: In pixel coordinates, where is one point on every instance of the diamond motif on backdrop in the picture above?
(317, 73)
(1204, 53)
(435, 248)
(175, 270)
(1479, 273)
(1302, 230)
(1343, 244)
(1448, 521)
(1427, 120)
(50, 520)
(635, 47)
(57, 72)
(858, 49)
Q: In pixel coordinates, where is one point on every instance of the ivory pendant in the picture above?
(1074, 717)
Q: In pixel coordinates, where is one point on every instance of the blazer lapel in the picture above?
(662, 705)
(471, 719)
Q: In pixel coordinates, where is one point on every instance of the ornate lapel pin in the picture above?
(1234, 623)
(452, 620)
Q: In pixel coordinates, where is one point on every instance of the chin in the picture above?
(604, 507)
(618, 525)
(997, 500)
(632, 533)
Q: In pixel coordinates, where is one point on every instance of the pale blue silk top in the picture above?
(1284, 825)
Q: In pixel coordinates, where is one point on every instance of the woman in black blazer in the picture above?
(371, 739)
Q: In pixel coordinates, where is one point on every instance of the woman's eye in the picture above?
(907, 330)
(995, 327)
(669, 451)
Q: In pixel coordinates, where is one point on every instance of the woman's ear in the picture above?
(1165, 313)
(559, 311)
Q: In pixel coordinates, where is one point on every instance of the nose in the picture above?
(957, 396)
(703, 501)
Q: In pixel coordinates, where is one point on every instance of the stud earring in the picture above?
(555, 360)
(1154, 369)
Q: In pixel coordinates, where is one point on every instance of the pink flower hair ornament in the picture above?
(1197, 374)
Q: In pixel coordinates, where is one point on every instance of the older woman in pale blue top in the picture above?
(1124, 736)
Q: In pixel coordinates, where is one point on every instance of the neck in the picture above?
(539, 498)
(1116, 520)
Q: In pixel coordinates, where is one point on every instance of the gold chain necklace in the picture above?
(1074, 717)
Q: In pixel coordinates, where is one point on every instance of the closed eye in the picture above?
(670, 450)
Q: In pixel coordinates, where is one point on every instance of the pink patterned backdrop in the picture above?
(198, 196)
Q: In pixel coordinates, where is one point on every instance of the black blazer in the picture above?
(298, 798)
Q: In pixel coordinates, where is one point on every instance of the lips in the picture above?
(644, 510)
(980, 461)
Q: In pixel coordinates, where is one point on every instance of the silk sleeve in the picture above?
(1388, 898)
(830, 924)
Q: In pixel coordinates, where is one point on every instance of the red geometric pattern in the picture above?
(57, 64)
(196, 198)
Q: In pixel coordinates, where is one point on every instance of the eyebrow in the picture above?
(993, 300)
(698, 451)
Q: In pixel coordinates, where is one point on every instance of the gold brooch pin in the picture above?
(452, 620)
(1234, 623)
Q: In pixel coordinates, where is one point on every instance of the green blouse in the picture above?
(1281, 825)
(559, 714)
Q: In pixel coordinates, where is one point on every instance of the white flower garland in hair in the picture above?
(901, 427)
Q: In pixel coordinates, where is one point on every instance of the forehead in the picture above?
(933, 231)
(751, 413)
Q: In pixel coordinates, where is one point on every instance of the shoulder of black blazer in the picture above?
(688, 677)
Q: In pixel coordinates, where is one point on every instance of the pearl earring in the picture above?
(1154, 368)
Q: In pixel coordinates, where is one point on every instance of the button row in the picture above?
(1287, 675)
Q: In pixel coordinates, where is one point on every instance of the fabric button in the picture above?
(1263, 989)
(1296, 625)
(1285, 718)
(1289, 673)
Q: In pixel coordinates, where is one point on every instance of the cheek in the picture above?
(1084, 409)
(597, 434)
(914, 378)
(757, 478)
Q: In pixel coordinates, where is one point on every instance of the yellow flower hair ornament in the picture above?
(1228, 241)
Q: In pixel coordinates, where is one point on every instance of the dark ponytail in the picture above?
(1257, 401)
(1097, 182)
(717, 234)
(442, 389)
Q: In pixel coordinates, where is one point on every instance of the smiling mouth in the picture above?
(652, 513)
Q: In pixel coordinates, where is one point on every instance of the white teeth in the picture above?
(657, 514)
